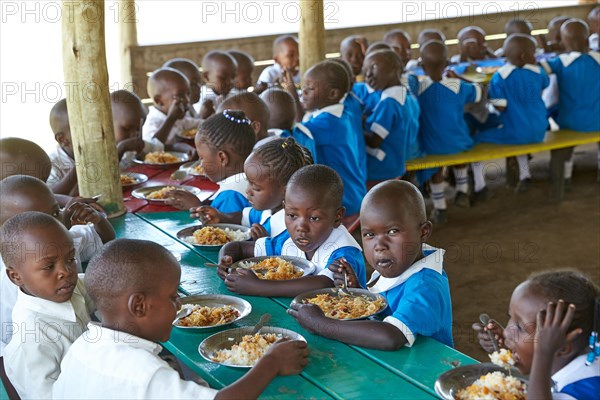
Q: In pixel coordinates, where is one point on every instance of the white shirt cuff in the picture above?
(379, 130)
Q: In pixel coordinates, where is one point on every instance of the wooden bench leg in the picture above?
(558, 158)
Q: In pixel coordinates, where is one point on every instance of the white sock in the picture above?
(568, 169)
(478, 176)
(437, 195)
(461, 176)
(523, 167)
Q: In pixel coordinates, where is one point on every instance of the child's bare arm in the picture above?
(231, 252)
(67, 185)
(290, 87)
(283, 358)
(373, 140)
(84, 213)
(176, 111)
(210, 215)
(246, 282)
(366, 333)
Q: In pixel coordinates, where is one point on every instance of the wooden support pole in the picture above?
(88, 102)
(127, 38)
(312, 34)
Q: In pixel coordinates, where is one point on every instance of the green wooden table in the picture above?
(335, 370)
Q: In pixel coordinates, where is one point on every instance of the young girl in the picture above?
(268, 170)
(551, 318)
(223, 142)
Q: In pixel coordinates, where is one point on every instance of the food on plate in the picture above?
(273, 268)
(248, 351)
(160, 157)
(503, 358)
(190, 133)
(162, 193)
(494, 386)
(198, 169)
(209, 316)
(127, 180)
(213, 235)
(346, 307)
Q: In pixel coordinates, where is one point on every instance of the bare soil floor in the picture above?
(495, 245)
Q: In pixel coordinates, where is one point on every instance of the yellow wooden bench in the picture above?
(559, 143)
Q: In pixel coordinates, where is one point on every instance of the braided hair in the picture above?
(283, 157)
(229, 130)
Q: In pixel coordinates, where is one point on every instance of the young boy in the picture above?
(52, 307)
(593, 20)
(353, 52)
(192, 73)
(129, 115)
(313, 216)
(245, 68)
(330, 123)
(23, 157)
(257, 112)
(219, 72)
(170, 91)
(392, 129)
(551, 42)
(134, 286)
(472, 45)
(399, 40)
(430, 34)
(63, 176)
(516, 91)
(287, 59)
(408, 272)
(442, 128)
(515, 25)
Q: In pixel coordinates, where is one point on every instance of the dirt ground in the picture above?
(495, 245)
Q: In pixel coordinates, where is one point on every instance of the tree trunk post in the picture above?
(127, 39)
(312, 34)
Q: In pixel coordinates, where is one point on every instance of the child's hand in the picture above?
(257, 231)
(81, 213)
(484, 338)
(552, 328)
(244, 281)
(206, 214)
(450, 73)
(225, 262)
(291, 356)
(309, 316)
(131, 144)
(207, 109)
(338, 267)
(177, 109)
(182, 199)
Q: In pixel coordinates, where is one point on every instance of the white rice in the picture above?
(234, 235)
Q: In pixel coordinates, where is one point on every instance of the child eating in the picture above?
(313, 216)
(408, 273)
(192, 73)
(52, 307)
(129, 115)
(287, 60)
(134, 286)
(219, 72)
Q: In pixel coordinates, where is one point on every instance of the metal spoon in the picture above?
(485, 320)
(184, 312)
(179, 175)
(344, 288)
(261, 322)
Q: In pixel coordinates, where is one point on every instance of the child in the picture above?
(551, 318)
(330, 123)
(442, 128)
(245, 67)
(472, 45)
(170, 91)
(516, 25)
(224, 142)
(392, 128)
(63, 176)
(313, 216)
(516, 91)
(268, 170)
(593, 20)
(134, 285)
(408, 273)
(256, 111)
(431, 34)
(353, 52)
(399, 40)
(23, 157)
(286, 57)
(282, 117)
(129, 115)
(219, 72)
(52, 307)
(192, 73)
(368, 96)
(551, 42)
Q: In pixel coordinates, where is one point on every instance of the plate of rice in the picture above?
(159, 194)
(215, 235)
(278, 268)
(189, 134)
(212, 311)
(162, 159)
(239, 349)
(336, 305)
(194, 168)
(129, 179)
(481, 382)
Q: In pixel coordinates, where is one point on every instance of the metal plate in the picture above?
(226, 339)
(187, 233)
(307, 267)
(183, 157)
(334, 292)
(142, 193)
(216, 300)
(189, 168)
(450, 382)
(139, 178)
(189, 134)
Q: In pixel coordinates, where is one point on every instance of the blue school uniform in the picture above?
(442, 127)
(335, 142)
(340, 243)
(353, 105)
(520, 91)
(578, 90)
(419, 299)
(273, 224)
(396, 121)
(231, 196)
(577, 380)
(301, 135)
(368, 97)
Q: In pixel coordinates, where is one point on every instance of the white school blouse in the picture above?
(61, 165)
(157, 118)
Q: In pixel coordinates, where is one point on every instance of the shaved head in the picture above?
(252, 105)
(320, 178)
(23, 157)
(394, 194)
(21, 193)
(218, 57)
(282, 108)
(163, 79)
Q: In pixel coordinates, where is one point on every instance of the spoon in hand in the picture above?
(485, 320)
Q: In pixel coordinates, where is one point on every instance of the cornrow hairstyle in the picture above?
(574, 288)
(283, 157)
(348, 69)
(320, 177)
(229, 130)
